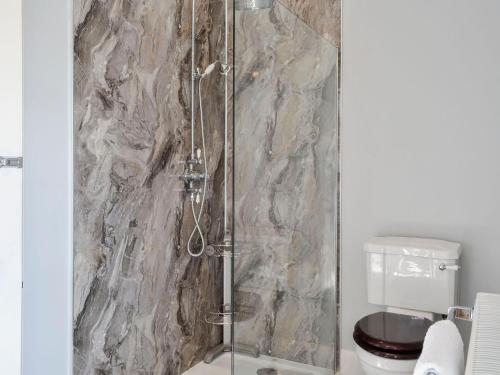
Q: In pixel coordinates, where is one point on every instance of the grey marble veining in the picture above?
(323, 16)
(139, 298)
(285, 186)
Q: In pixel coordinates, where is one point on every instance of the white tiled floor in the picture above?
(245, 365)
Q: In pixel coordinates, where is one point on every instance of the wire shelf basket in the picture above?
(223, 315)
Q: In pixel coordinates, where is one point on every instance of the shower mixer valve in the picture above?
(194, 159)
(189, 177)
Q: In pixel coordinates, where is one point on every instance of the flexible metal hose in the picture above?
(197, 217)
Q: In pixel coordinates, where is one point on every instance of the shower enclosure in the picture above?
(206, 187)
(285, 191)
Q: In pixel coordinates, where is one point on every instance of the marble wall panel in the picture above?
(286, 168)
(139, 298)
(323, 16)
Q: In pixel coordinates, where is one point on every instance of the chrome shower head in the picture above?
(253, 4)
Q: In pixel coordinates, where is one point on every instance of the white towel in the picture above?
(443, 351)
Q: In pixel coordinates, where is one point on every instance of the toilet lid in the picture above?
(390, 335)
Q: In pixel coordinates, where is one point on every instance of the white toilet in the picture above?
(416, 280)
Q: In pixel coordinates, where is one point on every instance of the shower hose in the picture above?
(197, 216)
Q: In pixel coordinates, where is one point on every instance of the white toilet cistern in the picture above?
(416, 279)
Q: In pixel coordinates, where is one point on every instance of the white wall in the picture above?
(10, 187)
(47, 216)
(421, 135)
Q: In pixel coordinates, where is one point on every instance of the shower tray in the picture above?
(247, 365)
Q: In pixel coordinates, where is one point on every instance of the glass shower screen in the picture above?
(285, 208)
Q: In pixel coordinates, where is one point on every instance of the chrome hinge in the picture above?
(11, 162)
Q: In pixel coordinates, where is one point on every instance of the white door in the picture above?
(10, 186)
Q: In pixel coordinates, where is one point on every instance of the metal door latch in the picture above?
(11, 162)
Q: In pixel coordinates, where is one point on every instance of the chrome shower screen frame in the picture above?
(260, 251)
